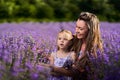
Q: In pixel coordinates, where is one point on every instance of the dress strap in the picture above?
(69, 55)
(80, 54)
(54, 54)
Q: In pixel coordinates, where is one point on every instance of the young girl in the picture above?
(63, 57)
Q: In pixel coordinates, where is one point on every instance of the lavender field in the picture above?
(23, 45)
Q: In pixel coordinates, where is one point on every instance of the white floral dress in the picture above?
(65, 62)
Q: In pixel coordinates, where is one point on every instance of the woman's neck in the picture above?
(84, 40)
(83, 47)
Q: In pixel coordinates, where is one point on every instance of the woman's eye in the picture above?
(77, 28)
(81, 29)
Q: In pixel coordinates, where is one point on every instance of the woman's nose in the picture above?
(76, 30)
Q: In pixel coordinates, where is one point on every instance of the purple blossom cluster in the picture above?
(24, 45)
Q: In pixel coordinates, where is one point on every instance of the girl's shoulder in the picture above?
(53, 53)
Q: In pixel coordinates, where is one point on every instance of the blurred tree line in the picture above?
(57, 10)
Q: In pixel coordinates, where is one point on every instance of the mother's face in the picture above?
(81, 29)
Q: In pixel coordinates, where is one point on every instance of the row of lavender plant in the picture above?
(24, 45)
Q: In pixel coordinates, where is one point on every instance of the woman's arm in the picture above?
(61, 71)
(77, 69)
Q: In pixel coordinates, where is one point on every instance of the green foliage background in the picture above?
(57, 10)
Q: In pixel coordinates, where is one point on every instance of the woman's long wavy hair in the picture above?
(93, 39)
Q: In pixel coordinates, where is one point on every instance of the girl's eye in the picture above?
(65, 39)
(59, 38)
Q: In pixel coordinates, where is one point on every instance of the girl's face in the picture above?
(81, 29)
(63, 40)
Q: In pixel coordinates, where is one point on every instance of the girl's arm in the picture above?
(51, 58)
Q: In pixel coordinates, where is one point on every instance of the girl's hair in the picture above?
(93, 39)
(68, 35)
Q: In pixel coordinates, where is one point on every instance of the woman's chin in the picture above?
(79, 37)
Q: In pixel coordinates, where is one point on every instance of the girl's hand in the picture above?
(43, 64)
(54, 74)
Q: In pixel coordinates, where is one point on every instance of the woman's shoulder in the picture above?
(72, 53)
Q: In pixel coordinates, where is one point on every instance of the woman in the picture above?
(86, 43)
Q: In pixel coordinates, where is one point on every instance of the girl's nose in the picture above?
(62, 40)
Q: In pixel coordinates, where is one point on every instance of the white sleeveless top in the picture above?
(62, 62)
(59, 62)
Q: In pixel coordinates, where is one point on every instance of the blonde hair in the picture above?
(93, 39)
(67, 34)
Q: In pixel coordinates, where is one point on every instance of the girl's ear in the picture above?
(69, 43)
(74, 35)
